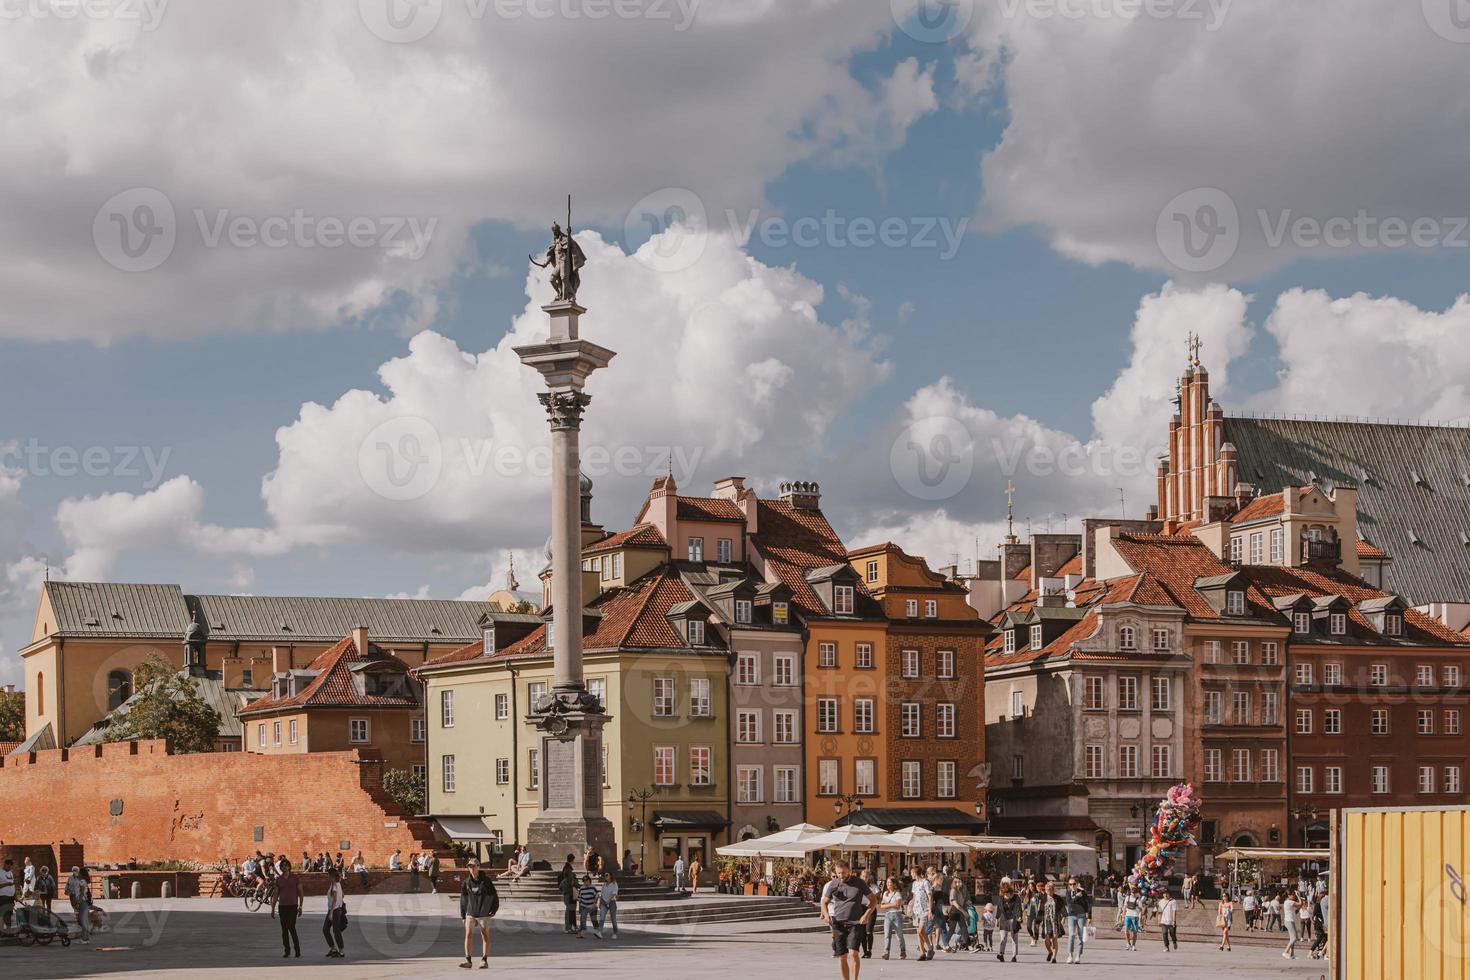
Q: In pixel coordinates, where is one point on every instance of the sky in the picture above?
(264, 265)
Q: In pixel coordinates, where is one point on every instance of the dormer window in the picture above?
(1235, 603)
(742, 610)
(842, 600)
(1393, 624)
(1337, 624)
(1128, 638)
(780, 613)
(489, 636)
(1010, 641)
(696, 549)
(1302, 623)
(872, 571)
(1036, 637)
(695, 632)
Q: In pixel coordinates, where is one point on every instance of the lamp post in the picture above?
(639, 798)
(1306, 814)
(852, 803)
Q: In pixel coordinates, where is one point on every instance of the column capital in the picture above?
(564, 408)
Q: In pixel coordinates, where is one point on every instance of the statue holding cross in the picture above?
(564, 257)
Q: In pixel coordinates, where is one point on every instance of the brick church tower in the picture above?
(1201, 464)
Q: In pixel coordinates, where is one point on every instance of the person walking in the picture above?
(921, 910)
(847, 908)
(680, 868)
(1250, 904)
(1032, 906)
(607, 906)
(1319, 922)
(1078, 907)
(478, 903)
(1132, 916)
(28, 880)
(1188, 889)
(45, 887)
(431, 871)
(1009, 920)
(587, 898)
(79, 891)
(890, 904)
(1304, 913)
(695, 868)
(1051, 921)
(414, 867)
(627, 860)
(567, 885)
(1224, 918)
(335, 922)
(288, 897)
(1169, 921)
(1289, 914)
(872, 925)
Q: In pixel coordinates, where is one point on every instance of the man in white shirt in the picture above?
(679, 869)
(7, 891)
(395, 860)
(1169, 921)
(922, 912)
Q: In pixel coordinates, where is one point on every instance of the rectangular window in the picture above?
(1378, 675)
(1337, 624)
(1451, 675)
(784, 721)
(1127, 693)
(1213, 772)
(1127, 762)
(1269, 713)
(863, 656)
(780, 613)
(1240, 765)
(696, 632)
(945, 666)
(784, 666)
(1304, 779)
(533, 768)
(864, 782)
(1037, 637)
(911, 663)
(1393, 624)
(1214, 708)
(931, 609)
(842, 600)
(502, 772)
(747, 669)
(1237, 549)
(909, 713)
(827, 777)
(1426, 779)
(701, 772)
(663, 765)
(911, 608)
(698, 697)
(1240, 652)
(1452, 721)
(1426, 721)
(1380, 779)
(446, 709)
(1127, 638)
(1304, 721)
(1332, 674)
(1163, 761)
(696, 549)
(1258, 551)
(418, 721)
(663, 697)
(1213, 650)
(1093, 761)
(1304, 673)
(1424, 675)
(1008, 641)
(748, 784)
(1378, 721)
(1332, 779)
(1018, 767)
(871, 570)
(1278, 546)
(1097, 696)
(502, 707)
(535, 691)
(1270, 766)
(862, 716)
(826, 654)
(786, 784)
(357, 729)
(913, 784)
(743, 609)
(723, 550)
(447, 768)
(416, 728)
(1332, 721)
(276, 733)
(944, 780)
(597, 687)
(1018, 704)
(1240, 705)
(1161, 640)
(1235, 603)
(1302, 623)
(1162, 694)
(748, 727)
(1270, 653)
(944, 720)
(1452, 779)
(826, 715)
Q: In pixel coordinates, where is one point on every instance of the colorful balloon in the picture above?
(1172, 834)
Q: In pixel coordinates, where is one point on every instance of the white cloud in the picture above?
(256, 111)
(1295, 107)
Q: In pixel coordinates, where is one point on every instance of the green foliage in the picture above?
(408, 791)
(12, 717)
(168, 707)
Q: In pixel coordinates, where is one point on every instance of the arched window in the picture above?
(119, 688)
(40, 694)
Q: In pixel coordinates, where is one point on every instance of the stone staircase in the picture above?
(800, 915)
(541, 886)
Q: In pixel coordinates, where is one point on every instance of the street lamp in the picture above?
(1307, 815)
(852, 803)
(639, 798)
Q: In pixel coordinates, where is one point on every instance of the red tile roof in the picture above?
(635, 617)
(1367, 549)
(638, 536)
(1072, 567)
(470, 652)
(709, 509)
(794, 540)
(1175, 561)
(333, 687)
(1275, 580)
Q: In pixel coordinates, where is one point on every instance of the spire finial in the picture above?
(511, 584)
(1195, 343)
(1010, 509)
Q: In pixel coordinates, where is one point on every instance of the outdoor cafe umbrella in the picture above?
(791, 842)
(918, 840)
(853, 837)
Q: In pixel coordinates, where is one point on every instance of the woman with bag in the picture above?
(1223, 920)
(1051, 921)
(336, 921)
(1011, 910)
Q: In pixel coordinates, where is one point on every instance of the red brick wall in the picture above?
(198, 807)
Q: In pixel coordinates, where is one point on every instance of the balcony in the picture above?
(1321, 551)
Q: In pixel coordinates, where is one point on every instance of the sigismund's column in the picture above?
(568, 717)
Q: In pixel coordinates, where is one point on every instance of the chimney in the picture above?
(281, 660)
(729, 488)
(360, 639)
(8, 689)
(802, 494)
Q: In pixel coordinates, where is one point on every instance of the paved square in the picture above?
(418, 935)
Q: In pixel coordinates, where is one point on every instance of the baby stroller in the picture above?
(32, 924)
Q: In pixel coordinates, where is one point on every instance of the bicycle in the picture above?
(264, 893)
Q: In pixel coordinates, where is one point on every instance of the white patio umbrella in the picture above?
(853, 837)
(918, 840)
(790, 842)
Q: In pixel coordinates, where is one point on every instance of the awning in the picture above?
(1026, 845)
(689, 820)
(1274, 854)
(893, 818)
(463, 828)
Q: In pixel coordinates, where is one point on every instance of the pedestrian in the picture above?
(478, 904)
(79, 890)
(890, 904)
(1012, 909)
(847, 908)
(1032, 907)
(1169, 921)
(1250, 905)
(1188, 890)
(921, 911)
(28, 880)
(988, 922)
(45, 887)
(680, 868)
(587, 898)
(1051, 921)
(1289, 913)
(567, 885)
(1273, 912)
(1223, 920)
(872, 924)
(336, 921)
(288, 892)
(1078, 907)
(395, 860)
(696, 867)
(7, 892)
(415, 865)
(607, 906)
(431, 871)
(1304, 912)
(1319, 922)
(628, 861)
(957, 915)
(1132, 915)
(359, 867)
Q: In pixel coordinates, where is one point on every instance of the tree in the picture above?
(166, 705)
(12, 717)
(409, 790)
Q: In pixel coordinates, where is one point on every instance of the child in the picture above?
(987, 922)
(972, 929)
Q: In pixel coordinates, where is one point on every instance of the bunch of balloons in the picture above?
(1169, 839)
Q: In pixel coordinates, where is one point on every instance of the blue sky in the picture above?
(1055, 161)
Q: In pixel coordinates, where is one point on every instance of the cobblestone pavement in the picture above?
(414, 935)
